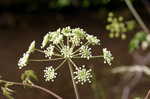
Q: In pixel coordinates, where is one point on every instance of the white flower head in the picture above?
(67, 52)
(45, 40)
(82, 75)
(49, 51)
(85, 52)
(93, 40)
(67, 31)
(107, 56)
(49, 74)
(23, 61)
(31, 47)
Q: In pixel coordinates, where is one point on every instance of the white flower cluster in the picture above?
(85, 52)
(75, 36)
(82, 75)
(49, 51)
(24, 60)
(66, 44)
(117, 26)
(49, 74)
(107, 56)
(93, 40)
(67, 52)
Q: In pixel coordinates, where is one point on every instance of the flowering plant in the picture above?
(67, 44)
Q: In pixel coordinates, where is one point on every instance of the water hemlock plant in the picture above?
(67, 44)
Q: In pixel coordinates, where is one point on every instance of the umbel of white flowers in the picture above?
(67, 44)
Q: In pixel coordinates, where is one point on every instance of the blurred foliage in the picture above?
(137, 40)
(44, 5)
(137, 98)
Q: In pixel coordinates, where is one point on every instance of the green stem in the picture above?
(60, 65)
(39, 50)
(137, 16)
(55, 54)
(41, 60)
(34, 86)
(74, 85)
(80, 47)
(90, 57)
(73, 63)
(58, 46)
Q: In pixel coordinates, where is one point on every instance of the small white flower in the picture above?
(31, 47)
(82, 75)
(56, 37)
(85, 52)
(79, 33)
(49, 51)
(67, 31)
(92, 40)
(23, 61)
(49, 74)
(75, 40)
(67, 52)
(45, 40)
(107, 56)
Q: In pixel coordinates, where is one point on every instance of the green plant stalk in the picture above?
(34, 86)
(41, 60)
(74, 84)
(137, 16)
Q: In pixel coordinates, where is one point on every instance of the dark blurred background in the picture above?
(22, 21)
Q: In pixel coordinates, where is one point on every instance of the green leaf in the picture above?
(137, 39)
(7, 91)
(28, 75)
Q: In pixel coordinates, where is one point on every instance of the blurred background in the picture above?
(22, 21)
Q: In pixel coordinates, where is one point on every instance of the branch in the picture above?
(34, 86)
(137, 16)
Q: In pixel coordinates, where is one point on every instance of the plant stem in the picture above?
(39, 50)
(55, 54)
(137, 16)
(80, 48)
(60, 65)
(41, 60)
(34, 86)
(90, 57)
(74, 85)
(73, 64)
(147, 95)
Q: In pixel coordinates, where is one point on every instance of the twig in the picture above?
(34, 86)
(137, 16)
